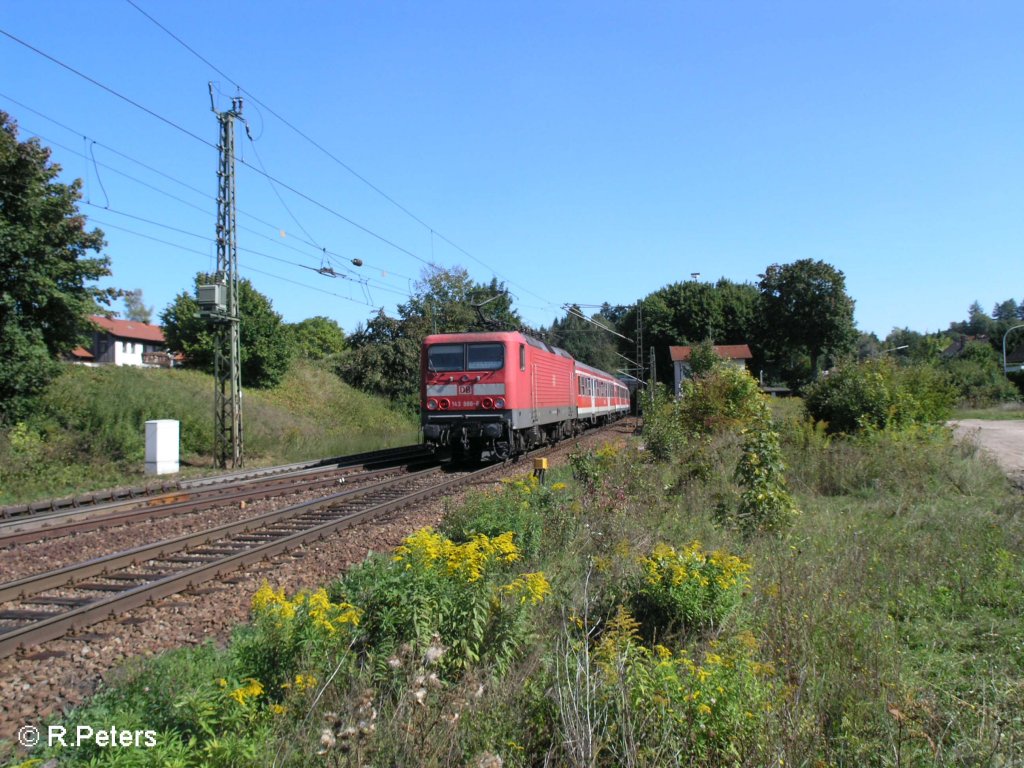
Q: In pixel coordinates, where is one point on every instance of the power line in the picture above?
(361, 281)
(287, 186)
(109, 225)
(320, 250)
(277, 194)
(108, 89)
(290, 188)
(572, 311)
(164, 192)
(105, 146)
(332, 156)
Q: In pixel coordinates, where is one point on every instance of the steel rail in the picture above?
(57, 625)
(63, 523)
(142, 495)
(62, 623)
(62, 577)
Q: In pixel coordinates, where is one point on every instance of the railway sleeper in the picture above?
(70, 602)
(96, 586)
(27, 615)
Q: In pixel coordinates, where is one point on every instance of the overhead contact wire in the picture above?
(332, 156)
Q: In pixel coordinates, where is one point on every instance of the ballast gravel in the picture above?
(25, 559)
(49, 679)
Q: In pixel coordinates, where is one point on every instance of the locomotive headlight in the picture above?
(499, 402)
(431, 405)
(487, 403)
(443, 404)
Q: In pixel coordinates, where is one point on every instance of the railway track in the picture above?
(156, 494)
(49, 605)
(230, 489)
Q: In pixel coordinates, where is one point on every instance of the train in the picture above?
(493, 395)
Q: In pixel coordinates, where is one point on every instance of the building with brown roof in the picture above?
(124, 342)
(738, 354)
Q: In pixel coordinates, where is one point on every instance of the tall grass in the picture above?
(89, 428)
(881, 629)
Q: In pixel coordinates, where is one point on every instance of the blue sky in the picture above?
(582, 152)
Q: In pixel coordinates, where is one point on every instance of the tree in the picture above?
(135, 308)
(1006, 311)
(265, 341)
(690, 312)
(703, 358)
(317, 338)
(383, 357)
(614, 314)
(867, 346)
(804, 308)
(585, 341)
(919, 347)
(978, 375)
(45, 299)
(443, 303)
(978, 323)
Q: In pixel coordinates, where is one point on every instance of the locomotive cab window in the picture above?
(445, 357)
(485, 357)
(522, 357)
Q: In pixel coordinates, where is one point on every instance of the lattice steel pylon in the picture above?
(227, 361)
(641, 374)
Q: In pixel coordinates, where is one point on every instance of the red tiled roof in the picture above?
(129, 329)
(82, 353)
(724, 351)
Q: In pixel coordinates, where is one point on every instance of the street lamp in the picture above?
(1014, 328)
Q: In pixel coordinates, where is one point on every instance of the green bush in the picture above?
(289, 636)
(664, 707)
(880, 394)
(200, 712)
(664, 434)
(688, 589)
(458, 599)
(722, 398)
(977, 374)
(726, 397)
(521, 506)
(764, 504)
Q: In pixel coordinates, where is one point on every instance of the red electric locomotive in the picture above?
(492, 395)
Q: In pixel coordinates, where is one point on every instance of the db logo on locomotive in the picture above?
(465, 389)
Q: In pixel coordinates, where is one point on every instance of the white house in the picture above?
(735, 353)
(124, 342)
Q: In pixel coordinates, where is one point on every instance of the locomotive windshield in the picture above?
(446, 357)
(484, 356)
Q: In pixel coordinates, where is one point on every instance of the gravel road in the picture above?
(1003, 440)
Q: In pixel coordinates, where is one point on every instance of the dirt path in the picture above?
(1004, 440)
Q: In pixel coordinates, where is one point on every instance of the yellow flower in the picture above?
(304, 682)
(530, 586)
(266, 596)
(468, 560)
(251, 690)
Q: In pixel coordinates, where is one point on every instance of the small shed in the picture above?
(737, 354)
